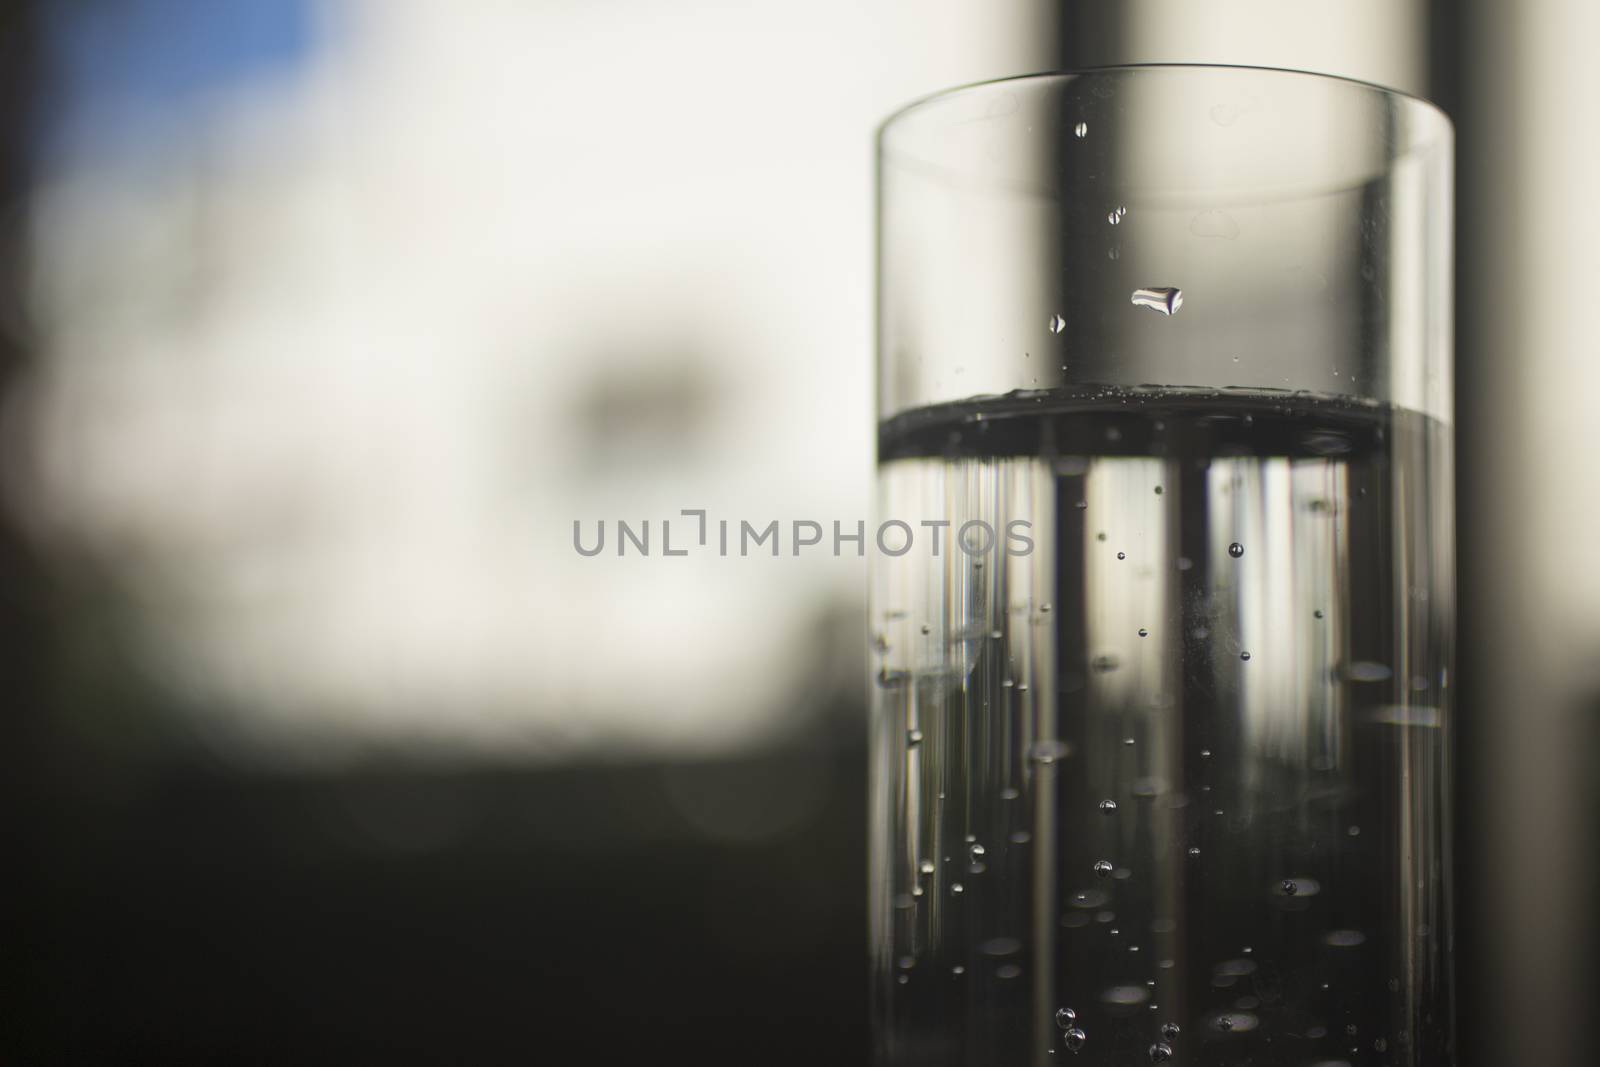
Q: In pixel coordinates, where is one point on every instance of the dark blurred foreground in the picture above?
(389, 917)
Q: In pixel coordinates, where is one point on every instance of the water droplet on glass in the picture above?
(1165, 299)
(1057, 323)
(1160, 1052)
(1081, 130)
(1107, 807)
(1171, 1031)
(1074, 1039)
(1236, 550)
(1102, 868)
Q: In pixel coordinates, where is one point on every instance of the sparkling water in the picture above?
(1179, 792)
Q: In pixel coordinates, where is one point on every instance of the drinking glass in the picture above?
(1162, 595)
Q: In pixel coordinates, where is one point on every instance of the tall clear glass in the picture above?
(1163, 591)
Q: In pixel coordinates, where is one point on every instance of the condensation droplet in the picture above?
(1165, 299)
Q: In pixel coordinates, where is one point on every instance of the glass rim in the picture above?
(1417, 103)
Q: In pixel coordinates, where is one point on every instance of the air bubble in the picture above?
(1171, 1031)
(1074, 1039)
(1160, 1052)
(1143, 632)
(1057, 323)
(1244, 655)
(1047, 752)
(1193, 852)
(1236, 550)
(926, 866)
(1122, 555)
(1081, 130)
(957, 888)
(1107, 807)
(1102, 868)
(1065, 1018)
(1165, 299)
(914, 738)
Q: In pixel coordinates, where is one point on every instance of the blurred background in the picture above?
(322, 320)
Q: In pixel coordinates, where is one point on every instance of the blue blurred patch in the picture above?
(111, 62)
